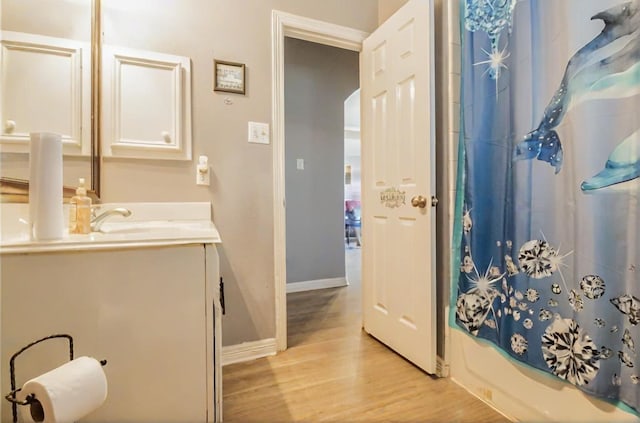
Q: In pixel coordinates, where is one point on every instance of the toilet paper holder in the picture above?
(30, 399)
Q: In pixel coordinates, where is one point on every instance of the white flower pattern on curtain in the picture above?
(548, 255)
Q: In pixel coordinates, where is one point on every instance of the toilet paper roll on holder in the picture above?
(31, 399)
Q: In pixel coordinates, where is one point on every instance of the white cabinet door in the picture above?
(397, 95)
(151, 326)
(46, 86)
(146, 311)
(146, 104)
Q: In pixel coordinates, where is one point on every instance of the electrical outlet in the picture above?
(203, 171)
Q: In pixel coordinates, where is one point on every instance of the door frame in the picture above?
(293, 26)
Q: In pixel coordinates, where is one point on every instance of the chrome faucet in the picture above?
(97, 221)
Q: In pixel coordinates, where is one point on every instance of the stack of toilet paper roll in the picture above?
(45, 186)
(66, 393)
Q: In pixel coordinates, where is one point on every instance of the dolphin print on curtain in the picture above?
(548, 214)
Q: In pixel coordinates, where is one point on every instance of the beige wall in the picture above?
(386, 8)
(241, 182)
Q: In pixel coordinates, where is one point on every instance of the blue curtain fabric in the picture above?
(549, 246)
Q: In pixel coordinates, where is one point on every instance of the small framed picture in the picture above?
(229, 77)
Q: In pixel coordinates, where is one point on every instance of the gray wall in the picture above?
(318, 79)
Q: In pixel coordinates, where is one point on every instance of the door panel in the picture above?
(379, 137)
(397, 135)
(406, 131)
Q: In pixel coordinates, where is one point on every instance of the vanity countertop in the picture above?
(150, 224)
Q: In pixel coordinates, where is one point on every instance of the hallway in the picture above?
(333, 371)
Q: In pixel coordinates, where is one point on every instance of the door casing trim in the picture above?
(288, 25)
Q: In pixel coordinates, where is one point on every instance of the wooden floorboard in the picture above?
(335, 372)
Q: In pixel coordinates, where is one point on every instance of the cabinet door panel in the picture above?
(143, 310)
(147, 104)
(45, 85)
(152, 325)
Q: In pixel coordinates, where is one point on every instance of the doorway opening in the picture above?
(352, 190)
(321, 213)
(287, 25)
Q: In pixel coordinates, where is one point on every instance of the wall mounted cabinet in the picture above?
(146, 104)
(46, 85)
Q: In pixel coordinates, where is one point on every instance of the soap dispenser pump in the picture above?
(80, 211)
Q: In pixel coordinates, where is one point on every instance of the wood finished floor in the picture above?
(333, 371)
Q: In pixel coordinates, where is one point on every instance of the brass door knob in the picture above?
(419, 201)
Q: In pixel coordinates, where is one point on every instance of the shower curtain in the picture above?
(547, 263)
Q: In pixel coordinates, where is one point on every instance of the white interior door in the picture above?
(396, 77)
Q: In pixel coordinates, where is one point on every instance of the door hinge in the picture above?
(222, 295)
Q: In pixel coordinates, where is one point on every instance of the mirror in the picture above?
(63, 38)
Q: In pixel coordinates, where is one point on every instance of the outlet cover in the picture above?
(259, 132)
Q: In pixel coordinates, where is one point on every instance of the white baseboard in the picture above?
(248, 351)
(316, 284)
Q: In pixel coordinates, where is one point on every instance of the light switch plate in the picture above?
(300, 164)
(259, 132)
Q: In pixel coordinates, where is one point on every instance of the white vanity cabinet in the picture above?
(152, 311)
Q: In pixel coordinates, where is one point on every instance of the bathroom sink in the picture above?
(149, 224)
(124, 231)
(157, 226)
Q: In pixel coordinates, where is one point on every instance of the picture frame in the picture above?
(229, 77)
